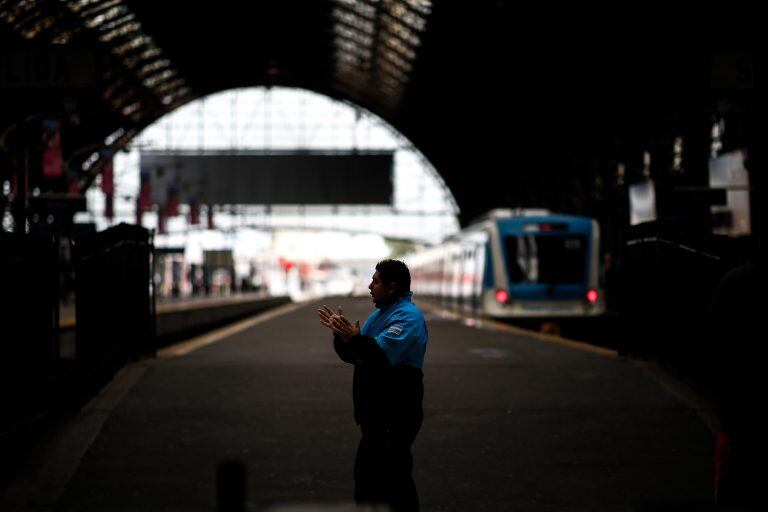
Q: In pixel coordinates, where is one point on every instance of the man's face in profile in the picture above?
(380, 292)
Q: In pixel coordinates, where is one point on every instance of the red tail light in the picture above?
(592, 295)
(502, 296)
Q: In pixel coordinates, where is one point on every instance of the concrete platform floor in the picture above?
(512, 422)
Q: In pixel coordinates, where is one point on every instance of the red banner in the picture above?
(145, 192)
(53, 163)
(194, 213)
(108, 180)
(108, 187)
(73, 184)
(172, 202)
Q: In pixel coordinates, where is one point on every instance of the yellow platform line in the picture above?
(192, 344)
(500, 326)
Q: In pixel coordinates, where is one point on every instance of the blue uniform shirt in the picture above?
(401, 332)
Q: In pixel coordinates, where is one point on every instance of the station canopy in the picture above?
(513, 105)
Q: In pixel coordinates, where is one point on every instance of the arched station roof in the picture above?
(514, 106)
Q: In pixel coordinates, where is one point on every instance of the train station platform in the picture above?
(513, 421)
(179, 317)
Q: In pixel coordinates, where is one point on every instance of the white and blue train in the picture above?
(516, 263)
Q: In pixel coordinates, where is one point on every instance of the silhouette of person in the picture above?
(741, 451)
(388, 355)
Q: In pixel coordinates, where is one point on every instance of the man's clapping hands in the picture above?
(338, 323)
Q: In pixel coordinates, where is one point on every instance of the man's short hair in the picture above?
(395, 271)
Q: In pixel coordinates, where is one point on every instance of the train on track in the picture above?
(516, 264)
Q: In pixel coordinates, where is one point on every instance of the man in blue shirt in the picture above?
(388, 354)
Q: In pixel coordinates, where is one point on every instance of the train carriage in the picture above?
(523, 263)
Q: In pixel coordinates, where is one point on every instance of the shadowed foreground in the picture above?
(511, 423)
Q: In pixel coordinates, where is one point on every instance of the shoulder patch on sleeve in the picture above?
(395, 329)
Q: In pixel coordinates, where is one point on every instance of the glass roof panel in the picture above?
(347, 46)
(354, 20)
(79, 5)
(140, 40)
(121, 31)
(98, 7)
(378, 38)
(167, 86)
(153, 66)
(117, 22)
(155, 79)
(130, 109)
(31, 27)
(349, 33)
(423, 7)
(406, 16)
(401, 30)
(394, 58)
(398, 45)
(105, 16)
(363, 8)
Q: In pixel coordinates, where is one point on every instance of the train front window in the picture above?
(549, 259)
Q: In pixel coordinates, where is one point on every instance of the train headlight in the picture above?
(592, 296)
(502, 296)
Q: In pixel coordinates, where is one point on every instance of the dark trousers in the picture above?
(383, 467)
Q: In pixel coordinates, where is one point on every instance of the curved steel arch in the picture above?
(515, 106)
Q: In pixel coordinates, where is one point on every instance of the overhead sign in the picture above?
(728, 172)
(47, 69)
(642, 202)
(273, 178)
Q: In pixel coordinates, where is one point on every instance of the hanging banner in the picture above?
(73, 183)
(107, 175)
(161, 222)
(145, 190)
(53, 163)
(194, 213)
(211, 225)
(275, 177)
(108, 183)
(144, 199)
(172, 202)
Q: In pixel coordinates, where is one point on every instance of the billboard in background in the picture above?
(273, 178)
(728, 172)
(642, 202)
